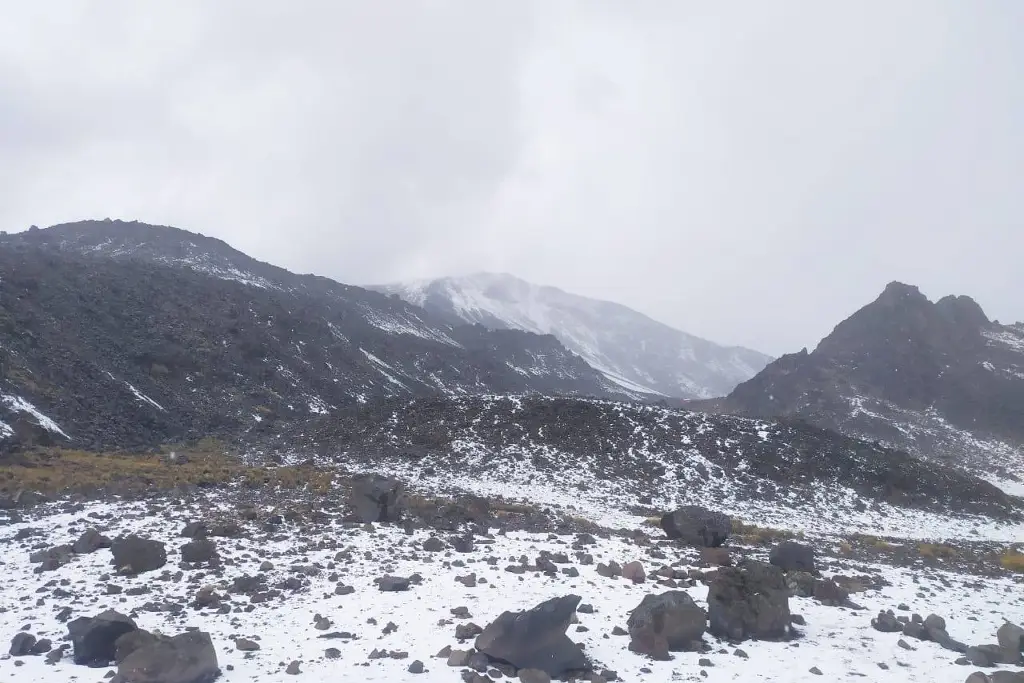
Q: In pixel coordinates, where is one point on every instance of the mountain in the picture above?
(631, 349)
(938, 379)
(125, 335)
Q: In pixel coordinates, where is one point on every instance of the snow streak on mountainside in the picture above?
(129, 336)
(631, 349)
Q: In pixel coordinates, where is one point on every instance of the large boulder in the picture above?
(377, 499)
(667, 622)
(134, 640)
(94, 639)
(697, 526)
(136, 555)
(186, 658)
(90, 541)
(1011, 637)
(790, 556)
(749, 601)
(199, 551)
(535, 639)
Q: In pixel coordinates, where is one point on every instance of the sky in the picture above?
(751, 172)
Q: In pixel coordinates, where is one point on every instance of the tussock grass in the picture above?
(56, 471)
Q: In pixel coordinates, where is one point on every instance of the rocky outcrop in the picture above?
(930, 378)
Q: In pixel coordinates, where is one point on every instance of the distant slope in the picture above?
(938, 379)
(118, 335)
(631, 349)
(638, 450)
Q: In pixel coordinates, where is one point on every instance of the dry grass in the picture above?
(936, 551)
(1012, 560)
(751, 534)
(57, 471)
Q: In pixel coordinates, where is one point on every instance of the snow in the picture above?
(21, 405)
(142, 397)
(633, 351)
(839, 642)
(5, 430)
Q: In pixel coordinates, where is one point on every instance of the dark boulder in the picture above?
(199, 551)
(667, 622)
(136, 555)
(1011, 637)
(790, 556)
(134, 640)
(90, 541)
(186, 658)
(535, 639)
(94, 638)
(749, 601)
(697, 526)
(377, 499)
(22, 644)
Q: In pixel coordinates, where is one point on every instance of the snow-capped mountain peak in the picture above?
(631, 349)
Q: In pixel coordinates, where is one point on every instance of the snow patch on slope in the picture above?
(20, 405)
(632, 350)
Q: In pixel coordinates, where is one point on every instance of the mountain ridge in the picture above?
(632, 349)
(122, 335)
(938, 379)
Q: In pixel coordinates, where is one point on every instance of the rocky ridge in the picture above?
(127, 336)
(939, 380)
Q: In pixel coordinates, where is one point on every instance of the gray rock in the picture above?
(697, 526)
(749, 601)
(186, 658)
(535, 639)
(666, 622)
(136, 555)
(791, 556)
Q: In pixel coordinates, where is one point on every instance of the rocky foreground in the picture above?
(373, 583)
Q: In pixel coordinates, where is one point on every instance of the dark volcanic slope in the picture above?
(939, 379)
(126, 352)
(652, 449)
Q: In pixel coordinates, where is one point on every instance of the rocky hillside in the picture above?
(117, 335)
(577, 448)
(938, 379)
(631, 349)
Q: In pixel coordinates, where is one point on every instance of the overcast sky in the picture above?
(748, 171)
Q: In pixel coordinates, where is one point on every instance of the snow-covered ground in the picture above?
(837, 641)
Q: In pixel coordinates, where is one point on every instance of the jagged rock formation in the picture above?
(938, 379)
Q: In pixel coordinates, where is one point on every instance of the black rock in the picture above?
(749, 601)
(792, 556)
(666, 622)
(535, 639)
(697, 526)
(136, 555)
(94, 639)
(186, 658)
(90, 541)
(377, 499)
